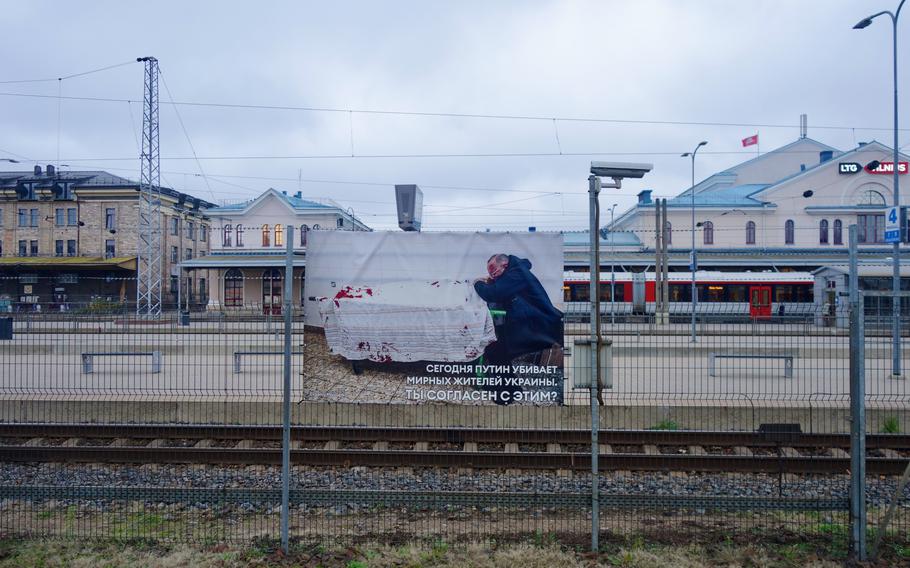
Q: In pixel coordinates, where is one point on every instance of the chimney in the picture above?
(299, 195)
(284, 193)
(824, 156)
(50, 170)
(644, 197)
(803, 125)
(532, 229)
(37, 170)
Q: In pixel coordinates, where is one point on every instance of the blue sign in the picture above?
(892, 226)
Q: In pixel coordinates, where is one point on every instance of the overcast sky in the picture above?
(750, 63)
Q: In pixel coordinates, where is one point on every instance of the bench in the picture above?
(239, 354)
(88, 359)
(788, 361)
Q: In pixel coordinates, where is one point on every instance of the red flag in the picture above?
(750, 141)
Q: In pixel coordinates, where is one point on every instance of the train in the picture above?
(758, 295)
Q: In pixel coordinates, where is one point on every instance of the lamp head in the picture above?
(702, 143)
(863, 24)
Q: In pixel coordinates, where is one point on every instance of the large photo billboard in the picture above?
(469, 318)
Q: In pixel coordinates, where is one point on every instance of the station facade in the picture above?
(68, 240)
(249, 246)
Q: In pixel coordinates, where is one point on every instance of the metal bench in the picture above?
(239, 354)
(88, 359)
(788, 360)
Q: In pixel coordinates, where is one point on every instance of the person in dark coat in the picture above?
(532, 323)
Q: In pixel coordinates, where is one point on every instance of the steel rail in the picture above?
(449, 435)
(448, 458)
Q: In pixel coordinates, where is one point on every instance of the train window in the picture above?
(581, 293)
(783, 293)
(737, 293)
(566, 293)
(715, 293)
(680, 292)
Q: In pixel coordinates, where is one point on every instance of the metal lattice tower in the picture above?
(148, 284)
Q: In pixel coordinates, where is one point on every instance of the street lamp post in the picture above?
(694, 259)
(612, 267)
(896, 278)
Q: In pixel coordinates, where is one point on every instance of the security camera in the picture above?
(620, 169)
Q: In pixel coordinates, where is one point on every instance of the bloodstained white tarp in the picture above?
(441, 320)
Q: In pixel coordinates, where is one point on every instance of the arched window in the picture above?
(838, 232)
(303, 231)
(233, 288)
(823, 232)
(279, 235)
(669, 233)
(239, 235)
(226, 236)
(871, 197)
(708, 233)
(266, 235)
(750, 233)
(789, 230)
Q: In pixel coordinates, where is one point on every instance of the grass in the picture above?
(665, 424)
(635, 552)
(890, 426)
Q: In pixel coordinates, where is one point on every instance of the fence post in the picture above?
(857, 409)
(594, 281)
(286, 400)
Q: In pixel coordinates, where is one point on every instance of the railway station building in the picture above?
(247, 260)
(69, 241)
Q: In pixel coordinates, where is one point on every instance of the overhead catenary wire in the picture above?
(488, 116)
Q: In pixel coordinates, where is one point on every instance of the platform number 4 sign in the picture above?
(892, 226)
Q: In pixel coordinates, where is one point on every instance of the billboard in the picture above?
(468, 318)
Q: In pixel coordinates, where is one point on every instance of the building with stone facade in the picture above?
(788, 209)
(249, 248)
(69, 238)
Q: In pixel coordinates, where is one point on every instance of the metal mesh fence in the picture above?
(121, 427)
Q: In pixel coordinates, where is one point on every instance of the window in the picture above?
(33, 248)
(188, 254)
(33, 217)
(871, 197)
(272, 291)
(669, 234)
(71, 219)
(265, 235)
(174, 253)
(203, 236)
(203, 291)
(26, 192)
(789, 230)
(71, 247)
(823, 232)
(340, 222)
(750, 233)
(190, 230)
(23, 217)
(59, 217)
(708, 233)
(109, 249)
(233, 288)
(173, 281)
(58, 248)
(1, 217)
(23, 248)
(838, 232)
(279, 235)
(303, 231)
(226, 236)
(175, 226)
(239, 235)
(109, 219)
(870, 229)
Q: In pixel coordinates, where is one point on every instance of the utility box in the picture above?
(409, 202)
(581, 364)
(6, 328)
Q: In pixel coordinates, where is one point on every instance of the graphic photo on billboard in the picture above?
(415, 318)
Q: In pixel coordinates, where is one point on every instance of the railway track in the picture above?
(461, 448)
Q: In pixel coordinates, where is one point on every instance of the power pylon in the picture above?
(149, 275)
